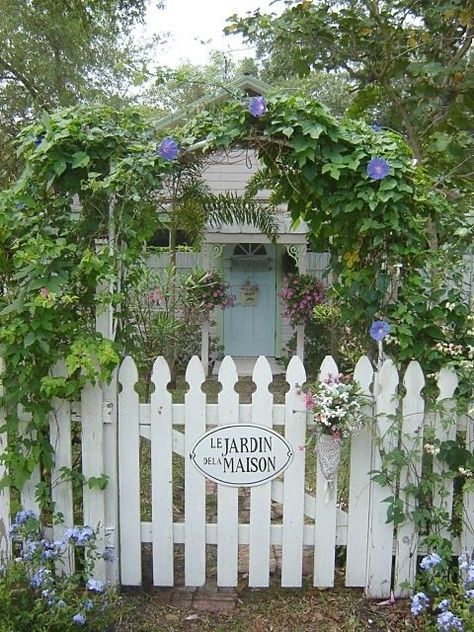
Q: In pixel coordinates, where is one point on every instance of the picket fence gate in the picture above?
(113, 421)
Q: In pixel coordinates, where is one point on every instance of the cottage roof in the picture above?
(246, 84)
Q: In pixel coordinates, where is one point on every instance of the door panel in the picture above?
(249, 327)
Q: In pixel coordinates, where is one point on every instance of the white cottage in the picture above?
(253, 267)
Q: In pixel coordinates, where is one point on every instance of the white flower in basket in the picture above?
(336, 406)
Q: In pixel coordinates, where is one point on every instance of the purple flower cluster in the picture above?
(79, 536)
(430, 561)
(447, 621)
(300, 296)
(419, 603)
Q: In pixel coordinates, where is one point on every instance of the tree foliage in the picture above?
(56, 54)
(411, 64)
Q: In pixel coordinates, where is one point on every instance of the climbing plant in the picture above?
(358, 189)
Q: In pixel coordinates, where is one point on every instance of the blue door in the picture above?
(249, 327)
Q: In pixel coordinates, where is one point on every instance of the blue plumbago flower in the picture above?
(430, 561)
(88, 605)
(378, 169)
(447, 621)
(463, 561)
(109, 555)
(376, 127)
(419, 602)
(71, 534)
(42, 577)
(168, 149)
(94, 585)
(78, 536)
(469, 594)
(378, 330)
(20, 519)
(258, 106)
(79, 618)
(444, 605)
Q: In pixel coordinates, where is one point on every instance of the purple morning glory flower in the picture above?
(378, 330)
(258, 106)
(378, 168)
(168, 149)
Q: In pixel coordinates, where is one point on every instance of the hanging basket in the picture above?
(328, 450)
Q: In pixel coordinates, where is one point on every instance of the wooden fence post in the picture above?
(4, 491)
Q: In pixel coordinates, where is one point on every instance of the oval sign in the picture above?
(241, 455)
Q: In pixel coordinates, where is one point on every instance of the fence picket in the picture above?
(61, 488)
(293, 482)
(260, 497)
(359, 485)
(4, 491)
(93, 466)
(162, 474)
(129, 475)
(380, 548)
(111, 492)
(28, 492)
(326, 509)
(194, 482)
(467, 535)
(445, 430)
(413, 406)
(227, 497)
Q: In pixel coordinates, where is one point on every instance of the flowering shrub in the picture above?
(35, 596)
(445, 599)
(204, 291)
(336, 407)
(301, 294)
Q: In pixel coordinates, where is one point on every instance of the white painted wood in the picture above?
(205, 346)
(300, 342)
(260, 497)
(413, 407)
(129, 475)
(359, 485)
(93, 466)
(445, 430)
(293, 482)
(194, 481)
(162, 475)
(380, 547)
(326, 509)
(111, 492)
(28, 493)
(227, 497)
(5, 551)
(61, 487)
(467, 535)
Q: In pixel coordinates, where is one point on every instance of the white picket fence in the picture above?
(378, 557)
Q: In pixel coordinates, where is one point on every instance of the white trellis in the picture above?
(315, 523)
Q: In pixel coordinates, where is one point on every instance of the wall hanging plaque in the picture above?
(249, 294)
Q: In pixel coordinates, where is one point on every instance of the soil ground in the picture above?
(264, 610)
